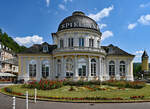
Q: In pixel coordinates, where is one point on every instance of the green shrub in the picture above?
(125, 84)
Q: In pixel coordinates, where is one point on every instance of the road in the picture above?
(6, 103)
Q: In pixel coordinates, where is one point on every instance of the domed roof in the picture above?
(78, 20)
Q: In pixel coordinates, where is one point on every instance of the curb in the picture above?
(53, 100)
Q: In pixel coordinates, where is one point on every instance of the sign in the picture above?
(78, 24)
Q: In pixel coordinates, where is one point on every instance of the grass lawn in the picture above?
(111, 92)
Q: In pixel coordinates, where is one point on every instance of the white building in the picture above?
(77, 54)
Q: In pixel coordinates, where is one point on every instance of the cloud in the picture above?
(61, 6)
(47, 3)
(101, 26)
(29, 40)
(107, 34)
(138, 53)
(144, 19)
(67, 1)
(132, 26)
(145, 5)
(101, 14)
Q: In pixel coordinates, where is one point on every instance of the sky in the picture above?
(123, 23)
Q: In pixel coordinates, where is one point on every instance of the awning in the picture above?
(7, 74)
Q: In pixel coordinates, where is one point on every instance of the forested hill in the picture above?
(10, 43)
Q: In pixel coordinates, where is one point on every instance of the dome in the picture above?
(78, 20)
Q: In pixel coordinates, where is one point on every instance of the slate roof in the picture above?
(38, 49)
(145, 55)
(112, 50)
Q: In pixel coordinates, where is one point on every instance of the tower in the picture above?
(145, 64)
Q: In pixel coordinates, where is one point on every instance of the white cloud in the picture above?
(107, 34)
(132, 26)
(29, 40)
(47, 3)
(61, 6)
(139, 52)
(145, 5)
(101, 14)
(101, 26)
(144, 19)
(67, 1)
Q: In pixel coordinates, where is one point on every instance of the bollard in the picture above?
(14, 102)
(35, 94)
(27, 105)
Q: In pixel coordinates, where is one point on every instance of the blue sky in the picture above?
(124, 23)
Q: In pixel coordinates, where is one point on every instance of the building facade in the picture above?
(76, 54)
(8, 60)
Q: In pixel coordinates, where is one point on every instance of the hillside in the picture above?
(10, 43)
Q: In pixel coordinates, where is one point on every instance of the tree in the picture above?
(10, 43)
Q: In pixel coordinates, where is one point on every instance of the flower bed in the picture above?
(71, 93)
(44, 84)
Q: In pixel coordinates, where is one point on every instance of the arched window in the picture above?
(32, 68)
(82, 63)
(111, 68)
(45, 69)
(122, 68)
(93, 67)
(58, 67)
(69, 67)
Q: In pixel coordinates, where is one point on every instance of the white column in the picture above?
(117, 72)
(100, 69)
(89, 70)
(128, 70)
(64, 65)
(38, 72)
(131, 73)
(75, 68)
(129, 77)
(62, 68)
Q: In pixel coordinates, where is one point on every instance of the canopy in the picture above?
(7, 74)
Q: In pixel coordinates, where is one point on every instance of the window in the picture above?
(61, 43)
(45, 69)
(81, 42)
(45, 48)
(32, 69)
(82, 67)
(93, 67)
(91, 42)
(111, 68)
(10, 66)
(69, 67)
(58, 67)
(70, 42)
(122, 68)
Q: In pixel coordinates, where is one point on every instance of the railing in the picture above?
(81, 49)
